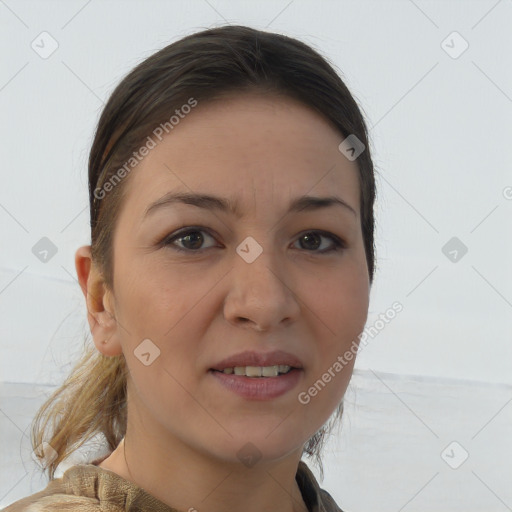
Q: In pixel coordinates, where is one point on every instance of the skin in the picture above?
(184, 429)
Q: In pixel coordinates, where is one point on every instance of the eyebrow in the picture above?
(209, 202)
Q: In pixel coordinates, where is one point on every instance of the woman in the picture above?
(231, 260)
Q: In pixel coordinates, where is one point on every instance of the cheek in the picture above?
(156, 311)
(338, 309)
(170, 310)
(340, 301)
(157, 301)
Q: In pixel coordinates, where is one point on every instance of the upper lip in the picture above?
(250, 358)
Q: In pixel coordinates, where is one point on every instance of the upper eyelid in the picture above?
(186, 230)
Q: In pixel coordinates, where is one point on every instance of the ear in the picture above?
(99, 299)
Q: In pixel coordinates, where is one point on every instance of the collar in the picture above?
(107, 487)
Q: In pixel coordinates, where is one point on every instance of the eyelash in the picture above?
(168, 241)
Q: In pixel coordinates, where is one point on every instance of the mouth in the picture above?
(258, 375)
(258, 372)
(249, 382)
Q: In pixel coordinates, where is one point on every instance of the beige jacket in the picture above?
(89, 488)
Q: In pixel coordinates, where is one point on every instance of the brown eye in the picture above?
(190, 238)
(312, 241)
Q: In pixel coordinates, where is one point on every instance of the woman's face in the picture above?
(265, 279)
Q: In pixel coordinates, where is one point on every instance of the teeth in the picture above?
(268, 371)
(259, 371)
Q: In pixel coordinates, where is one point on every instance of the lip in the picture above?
(251, 358)
(259, 388)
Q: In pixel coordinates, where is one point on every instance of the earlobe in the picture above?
(101, 320)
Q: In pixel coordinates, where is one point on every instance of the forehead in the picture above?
(248, 147)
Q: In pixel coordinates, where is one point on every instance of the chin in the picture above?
(251, 447)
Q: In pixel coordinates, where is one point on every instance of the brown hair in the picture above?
(207, 65)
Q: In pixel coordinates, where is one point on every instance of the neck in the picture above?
(187, 480)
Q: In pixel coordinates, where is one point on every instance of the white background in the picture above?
(440, 129)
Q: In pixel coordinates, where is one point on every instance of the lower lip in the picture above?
(259, 388)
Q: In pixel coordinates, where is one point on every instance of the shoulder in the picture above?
(70, 492)
(328, 502)
(53, 503)
(316, 498)
(89, 488)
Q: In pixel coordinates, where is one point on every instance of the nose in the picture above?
(261, 294)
